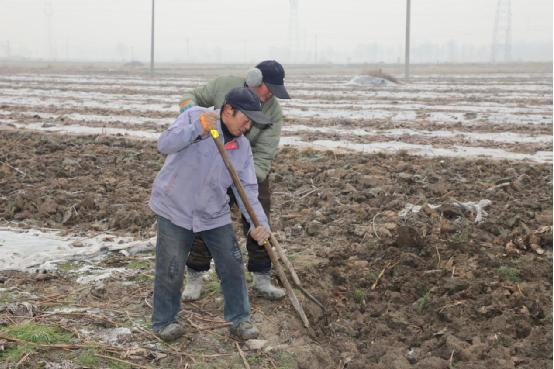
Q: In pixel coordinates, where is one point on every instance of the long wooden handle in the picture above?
(292, 272)
(236, 180)
(280, 272)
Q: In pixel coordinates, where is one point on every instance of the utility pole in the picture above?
(502, 32)
(48, 12)
(407, 52)
(152, 42)
(294, 36)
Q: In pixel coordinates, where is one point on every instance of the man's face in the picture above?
(237, 124)
(263, 92)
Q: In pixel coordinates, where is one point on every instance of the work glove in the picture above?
(260, 235)
(208, 121)
(185, 104)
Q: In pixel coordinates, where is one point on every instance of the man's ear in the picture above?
(227, 109)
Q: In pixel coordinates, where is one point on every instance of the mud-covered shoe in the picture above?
(263, 287)
(243, 331)
(194, 284)
(170, 332)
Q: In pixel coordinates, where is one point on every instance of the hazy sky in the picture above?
(250, 30)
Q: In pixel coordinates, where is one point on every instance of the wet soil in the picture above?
(428, 289)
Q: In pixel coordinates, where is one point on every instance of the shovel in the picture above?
(274, 259)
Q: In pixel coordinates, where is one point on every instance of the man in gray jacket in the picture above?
(189, 197)
(267, 81)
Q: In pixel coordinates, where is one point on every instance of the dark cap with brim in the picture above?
(245, 100)
(273, 75)
(278, 91)
(256, 116)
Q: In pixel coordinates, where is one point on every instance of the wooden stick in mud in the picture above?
(280, 272)
(292, 272)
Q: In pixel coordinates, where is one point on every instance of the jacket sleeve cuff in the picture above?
(261, 175)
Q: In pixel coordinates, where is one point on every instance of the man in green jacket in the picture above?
(267, 81)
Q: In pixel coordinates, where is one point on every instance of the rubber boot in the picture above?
(194, 284)
(263, 287)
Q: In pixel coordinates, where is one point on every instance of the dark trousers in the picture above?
(258, 259)
(173, 244)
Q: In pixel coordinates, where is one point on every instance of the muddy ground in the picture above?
(500, 110)
(427, 290)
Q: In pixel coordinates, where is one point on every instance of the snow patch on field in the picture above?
(41, 250)
(425, 150)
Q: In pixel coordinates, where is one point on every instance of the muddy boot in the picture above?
(243, 331)
(170, 332)
(263, 287)
(193, 288)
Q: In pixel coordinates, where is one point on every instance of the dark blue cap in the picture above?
(246, 101)
(274, 78)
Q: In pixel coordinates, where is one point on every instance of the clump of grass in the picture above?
(359, 295)
(6, 296)
(14, 354)
(32, 334)
(88, 358)
(461, 237)
(379, 73)
(255, 360)
(423, 302)
(139, 264)
(68, 266)
(37, 333)
(509, 274)
(285, 360)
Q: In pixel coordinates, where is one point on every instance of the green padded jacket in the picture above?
(264, 140)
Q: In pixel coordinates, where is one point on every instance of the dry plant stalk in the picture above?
(135, 365)
(241, 353)
(388, 266)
